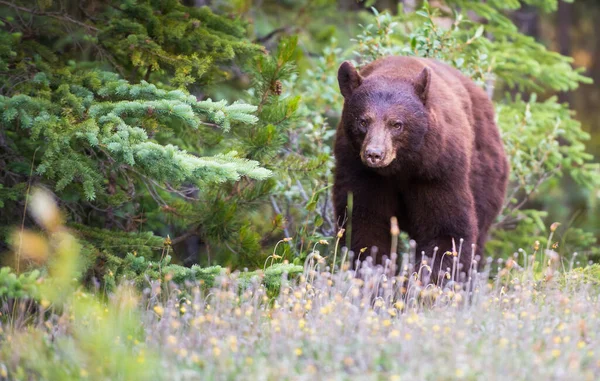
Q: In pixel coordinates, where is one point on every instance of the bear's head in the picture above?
(385, 118)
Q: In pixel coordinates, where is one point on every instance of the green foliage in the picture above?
(119, 123)
(104, 104)
(22, 286)
(101, 116)
(589, 275)
(542, 138)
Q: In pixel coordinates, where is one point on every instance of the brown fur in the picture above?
(417, 140)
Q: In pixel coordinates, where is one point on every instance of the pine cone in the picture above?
(277, 87)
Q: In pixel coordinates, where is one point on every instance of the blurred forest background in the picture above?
(200, 131)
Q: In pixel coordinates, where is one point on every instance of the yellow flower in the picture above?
(159, 310)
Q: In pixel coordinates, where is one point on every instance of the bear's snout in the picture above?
(374, 156)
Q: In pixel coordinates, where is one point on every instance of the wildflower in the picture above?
(394, 229)
(44, 211)
(348, 361)
(159, 310)
(298, 351)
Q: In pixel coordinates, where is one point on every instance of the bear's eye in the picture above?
(362, 125)
(398, 125)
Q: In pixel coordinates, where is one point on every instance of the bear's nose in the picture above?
(374, 155)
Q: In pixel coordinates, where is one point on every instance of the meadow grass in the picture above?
(535, 319)
(320, 326)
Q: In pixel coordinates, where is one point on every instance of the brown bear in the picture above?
(417, 140)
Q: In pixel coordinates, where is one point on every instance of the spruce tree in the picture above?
(106, 104)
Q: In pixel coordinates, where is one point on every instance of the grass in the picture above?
(332, 327)
(531, 322)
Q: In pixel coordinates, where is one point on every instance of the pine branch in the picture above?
(55, 15)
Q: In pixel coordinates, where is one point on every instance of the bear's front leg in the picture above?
(441, 217)
(374, 203)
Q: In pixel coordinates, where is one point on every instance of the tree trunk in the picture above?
(565, 17)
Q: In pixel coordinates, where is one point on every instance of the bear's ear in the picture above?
(422, 84)
(348, 78)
